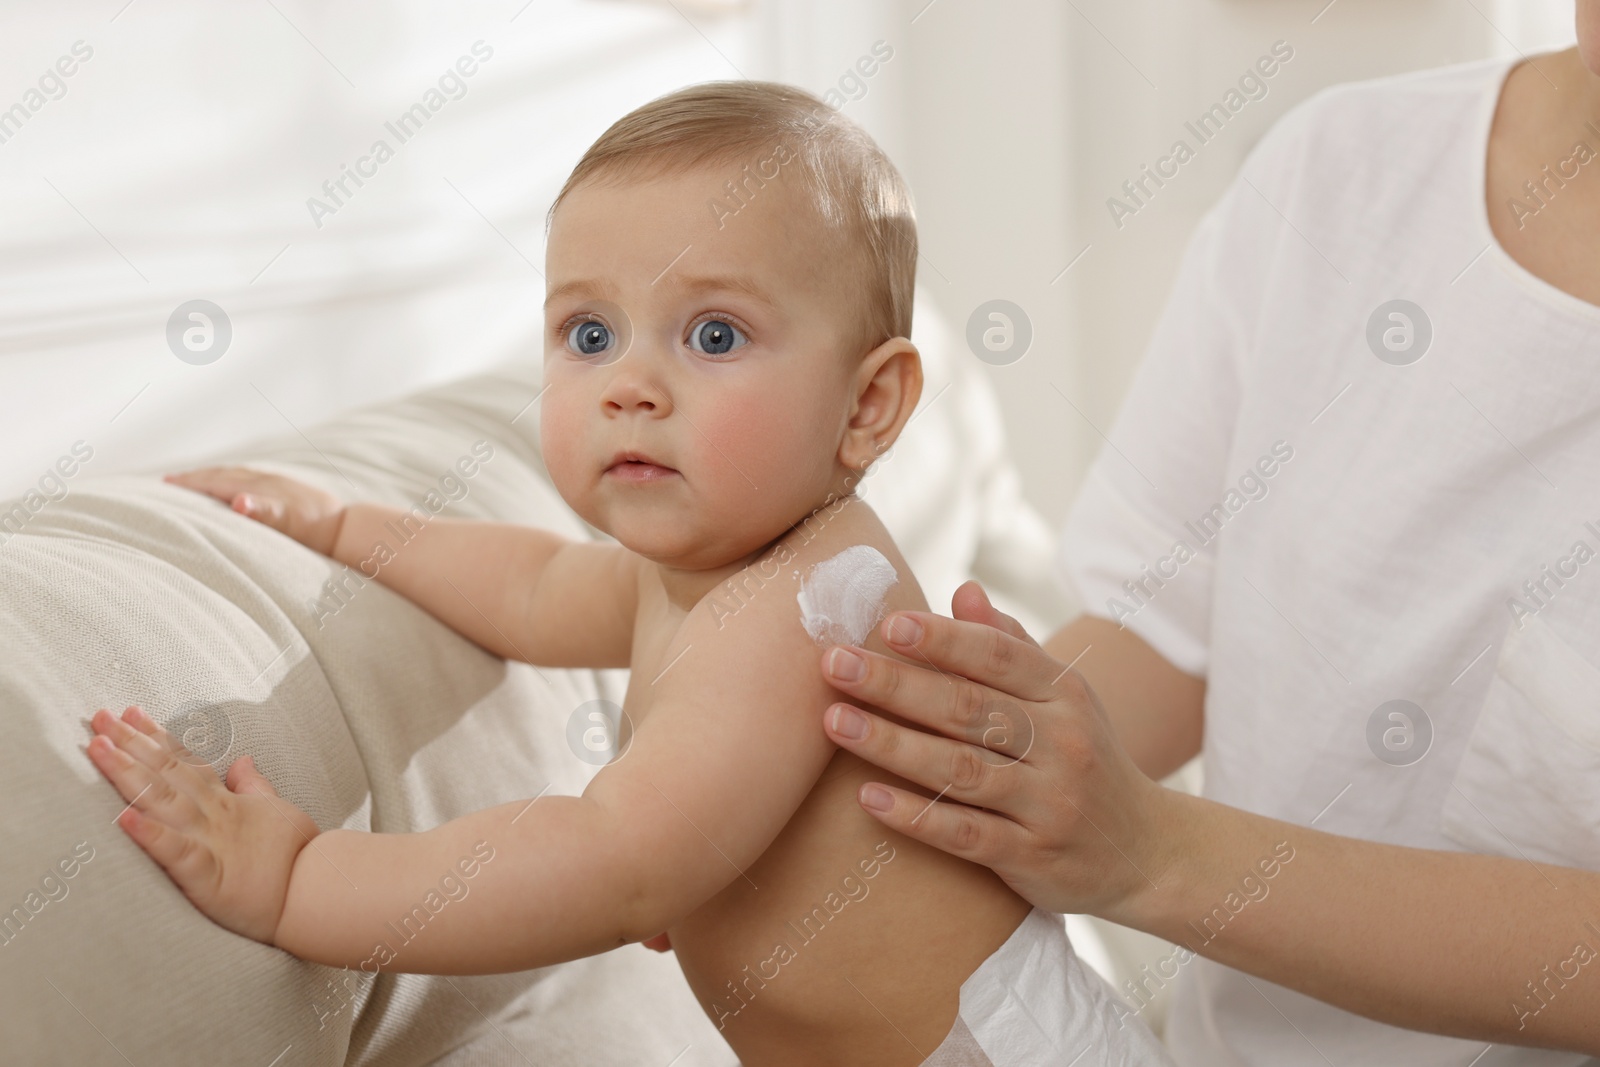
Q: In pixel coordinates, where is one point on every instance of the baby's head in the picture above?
(729, 275)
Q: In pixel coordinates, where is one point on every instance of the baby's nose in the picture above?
(633, 389)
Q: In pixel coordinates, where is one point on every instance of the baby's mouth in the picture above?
(639, 470)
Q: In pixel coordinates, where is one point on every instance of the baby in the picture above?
(730, 274)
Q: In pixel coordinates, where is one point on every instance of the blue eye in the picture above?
(716, 337)
(589, 338)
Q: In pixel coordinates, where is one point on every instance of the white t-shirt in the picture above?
(1332, 531)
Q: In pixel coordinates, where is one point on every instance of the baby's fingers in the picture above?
(136, 718)
(131, 778)
(149, 777)
(146, 741)
(224, 483)
(139, 720)
(187, 862)
(268, 510)
(251, 493)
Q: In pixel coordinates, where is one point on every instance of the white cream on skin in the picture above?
(841, 600)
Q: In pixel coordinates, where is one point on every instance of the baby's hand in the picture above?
(230, 848)
(308, 515)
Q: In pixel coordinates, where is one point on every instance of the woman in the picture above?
(1344, 547)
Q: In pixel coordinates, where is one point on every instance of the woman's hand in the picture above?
(1029, 777)
(230, 848)
(293, 508)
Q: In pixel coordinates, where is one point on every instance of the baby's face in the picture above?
(699, 382)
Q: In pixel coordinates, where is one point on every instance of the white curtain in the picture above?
(185, 157)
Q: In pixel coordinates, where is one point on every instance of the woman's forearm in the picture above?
(1158, 711)
(1456, 943)
(1502, 950)
(518, 886)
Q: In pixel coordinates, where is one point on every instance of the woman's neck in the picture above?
(1544, 172)
(1573, 89)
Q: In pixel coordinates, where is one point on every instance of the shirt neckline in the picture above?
(1494, 250)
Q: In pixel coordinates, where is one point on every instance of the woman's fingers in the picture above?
(974, 650)
(949, 768)
(1059, 812)
(970, 603)
(978, 836)
(946, 703)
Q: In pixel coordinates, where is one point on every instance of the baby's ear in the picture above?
(887, 387)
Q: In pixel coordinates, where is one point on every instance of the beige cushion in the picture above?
(371, 716)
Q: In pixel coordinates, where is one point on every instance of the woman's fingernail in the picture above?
(905, 630)
(848, 722)
(876, 798)
(846, 665)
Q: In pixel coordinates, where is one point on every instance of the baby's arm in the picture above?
(522, 593)
(728, 752)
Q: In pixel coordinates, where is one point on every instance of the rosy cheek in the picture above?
(560, 437)
(758, 438)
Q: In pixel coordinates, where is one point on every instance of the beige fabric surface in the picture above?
(371, 717)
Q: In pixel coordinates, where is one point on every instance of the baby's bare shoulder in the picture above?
(828, 581)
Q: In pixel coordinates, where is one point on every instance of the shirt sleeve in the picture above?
(1133, 547)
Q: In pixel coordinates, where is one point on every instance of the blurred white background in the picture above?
(177, 161)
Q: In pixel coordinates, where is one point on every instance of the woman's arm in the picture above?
(1467, 945)
(1157, 711)
(1486, 947)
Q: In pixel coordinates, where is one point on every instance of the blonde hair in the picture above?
(855, 189)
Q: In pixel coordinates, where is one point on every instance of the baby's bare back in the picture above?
(848, 944)
(844, 943)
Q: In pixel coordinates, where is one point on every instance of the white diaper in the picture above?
(1033, 1002)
